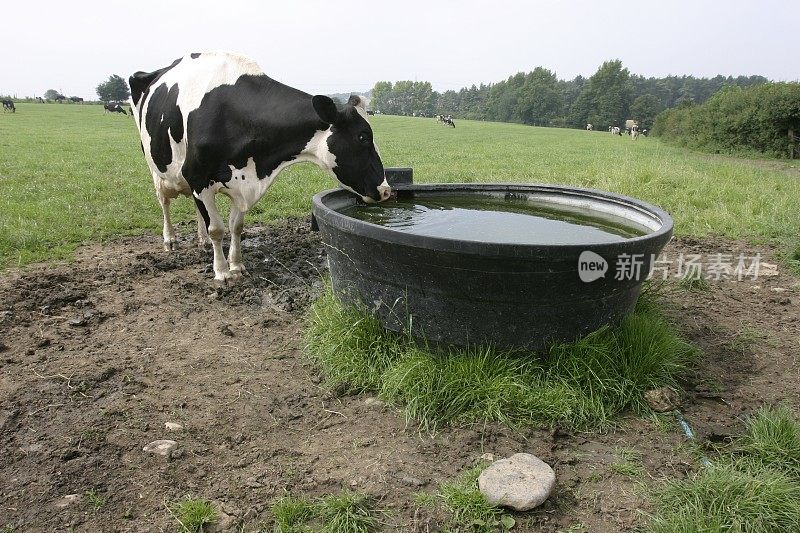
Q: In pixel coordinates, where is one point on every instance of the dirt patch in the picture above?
(98, 354)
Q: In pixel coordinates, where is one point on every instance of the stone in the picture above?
(662, 399)
(374, 402)
(173, 426)
(412, 481)
(67, 500)
(31, 448)
(160, 447)
(521, 482)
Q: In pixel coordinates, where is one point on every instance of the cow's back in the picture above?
(163, 99)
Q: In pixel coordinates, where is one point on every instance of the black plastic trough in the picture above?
(468, 292)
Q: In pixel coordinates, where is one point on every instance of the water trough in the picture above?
(458, 286)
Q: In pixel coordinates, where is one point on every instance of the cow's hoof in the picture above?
(238, 271)
(170, 246)
(226, 278)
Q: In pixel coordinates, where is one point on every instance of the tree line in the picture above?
(765, 119)
(607, 98)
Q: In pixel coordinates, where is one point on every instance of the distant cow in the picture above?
(8, 105)
(76, 99)
(588, 127)
(448, 121)
(370, 112)
(40, 99)
(114, 107)
(635, 132)
(59, 98)
(215, 123)
(615, 130)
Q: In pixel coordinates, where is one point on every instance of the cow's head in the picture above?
(358, 165)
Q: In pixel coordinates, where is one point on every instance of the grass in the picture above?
(631, 464)
(754, 488)
(192, 514)
(579, 385)
(70, 174)
(94, 501)
(466, 507)
(693, 281)
(346, 512)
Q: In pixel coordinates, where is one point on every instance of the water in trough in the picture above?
(508, 219)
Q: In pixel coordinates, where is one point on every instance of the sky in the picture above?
(330, 47)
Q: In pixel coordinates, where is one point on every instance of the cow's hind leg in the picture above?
(164, 198)
(216, 229)
(235, 225)
(202, 230)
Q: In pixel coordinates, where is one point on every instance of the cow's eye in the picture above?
(363, 138)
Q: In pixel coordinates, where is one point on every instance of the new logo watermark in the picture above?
(591, 266)
(716, 267)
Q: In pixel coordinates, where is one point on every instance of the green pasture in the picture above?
(71, 174)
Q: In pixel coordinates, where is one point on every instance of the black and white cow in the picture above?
(215, 123)
(8, 105)
(76, 99)
(114, 107)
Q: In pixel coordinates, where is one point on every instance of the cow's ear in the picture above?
(325, 108)
(357, 101)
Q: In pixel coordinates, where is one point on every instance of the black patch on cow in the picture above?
(194, 55)
(164, 118)
(201, 207)
(140, 82)
(228, 129)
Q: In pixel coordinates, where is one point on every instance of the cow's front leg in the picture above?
(235, 225)
(216, 229)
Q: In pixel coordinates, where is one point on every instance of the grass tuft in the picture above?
(772, 441)
(192, 514)
(94, 500)
(756, 489)
(346, 512)
(291, 514)
(467, 508)
(579, 385)
(694, 281)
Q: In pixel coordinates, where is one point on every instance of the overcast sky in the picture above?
(337, 46)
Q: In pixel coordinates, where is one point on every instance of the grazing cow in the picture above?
(59, 98)
(114, 107)
(615, 130)
(215, 123)
(8, 105)
(76, 99)
(635, 132)
(370, 112)
(588, 127)
(448, 121)
(40, 99)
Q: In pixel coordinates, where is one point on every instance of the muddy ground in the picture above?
(98, 354)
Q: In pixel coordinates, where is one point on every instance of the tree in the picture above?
(644, 110)
(539, 99)
(382, 97)
(114, 89)
(51, 94)
(610, 95)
